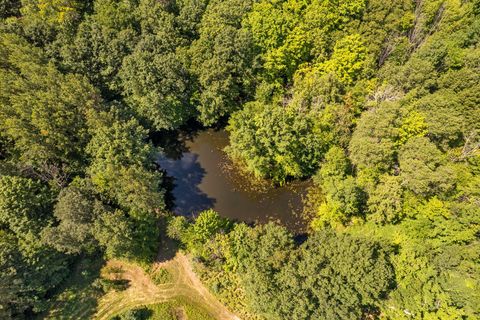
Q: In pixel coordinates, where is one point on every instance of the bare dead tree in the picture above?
(386, 51)
(417, 35)
(47, 172)
(471, 147)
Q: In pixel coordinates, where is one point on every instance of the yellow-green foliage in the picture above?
(377, 101)
(54, 12)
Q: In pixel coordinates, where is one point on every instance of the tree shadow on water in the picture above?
(173, 143)
(184, 197)
(187, 174)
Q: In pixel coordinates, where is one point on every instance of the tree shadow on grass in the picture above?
(142, 313)
(168, 247)
(77, 297)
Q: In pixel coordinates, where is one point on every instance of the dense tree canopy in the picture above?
(275, 142)
(43, 111)
(25, 207)
(329, 276)
(376, 102)
(222, 60)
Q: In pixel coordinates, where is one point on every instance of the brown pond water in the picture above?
(203, 177)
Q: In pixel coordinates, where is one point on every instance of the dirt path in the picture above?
(208, 299)
(142, 291)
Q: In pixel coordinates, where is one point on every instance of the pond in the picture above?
(203, 177)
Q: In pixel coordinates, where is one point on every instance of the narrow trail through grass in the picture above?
(143, 291)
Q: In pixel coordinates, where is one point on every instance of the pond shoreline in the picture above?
(200, 176)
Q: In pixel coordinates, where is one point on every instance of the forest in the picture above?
(376, 103)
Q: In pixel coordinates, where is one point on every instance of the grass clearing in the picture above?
(170, 290)
(177, 309)
(183, 287)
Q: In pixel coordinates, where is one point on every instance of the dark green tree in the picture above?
(222, 60)
(43, 112)
(25, 206)
(25, 209)
(334, 277)
(121, 170)
(115, 232)
(373, 142)
(330, 276)
(156, 84)
(9, 8)
(97, 51)
(74, 212)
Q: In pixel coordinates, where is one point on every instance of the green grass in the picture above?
(169, 311)
(181, 296)
(77, 297)
(161, 276)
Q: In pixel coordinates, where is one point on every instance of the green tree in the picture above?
(177, 227)
(435, 273)
(189, 16)
(27, 276)
(422, 168)
(289, 33)
(156, 84)
(13, 300)
(74, 212)
(115, 232)
(25, 206)
(207, 224)
(413, 126)
(9, 8)
(42, 21)
(97, 51)
(275, 142)
(197, 235)
(121, 159)
(122, 171)
(43, 112)
(330, 276)
(222, 60)
(52, 11)
(385, 203)
(260, 253)
(348, 60)
(342, 198)
(346, 277)
(117, 15)
(373, 142)
(25, 209)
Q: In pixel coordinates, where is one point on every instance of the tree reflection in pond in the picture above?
(203, 178)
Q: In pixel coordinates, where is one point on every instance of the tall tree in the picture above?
(43, 112)
(122, 171)
(222, 60)
(74, 212)
(156, 83)
(9, 8)
(276, 142)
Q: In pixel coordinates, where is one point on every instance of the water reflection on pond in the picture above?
(203, 178)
